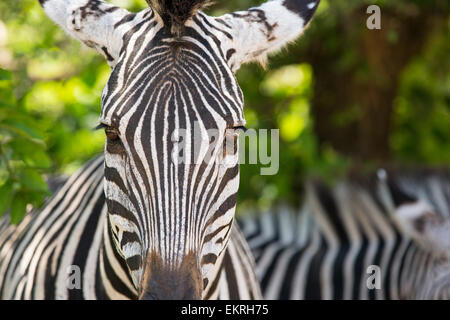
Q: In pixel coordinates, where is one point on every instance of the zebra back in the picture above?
(329, 248)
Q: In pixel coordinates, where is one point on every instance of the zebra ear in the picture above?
(426, 226)
(97, 24)
(261, 30)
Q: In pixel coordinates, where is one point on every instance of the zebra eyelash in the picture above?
(100, 126)
(241, 128)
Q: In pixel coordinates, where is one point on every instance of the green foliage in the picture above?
(23, 155)
(281, 99)
(422, 108)
(50, 101)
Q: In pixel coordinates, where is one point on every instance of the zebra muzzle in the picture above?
(164, 282)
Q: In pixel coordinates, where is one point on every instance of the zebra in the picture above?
(165, 230)
(382, 236)
(78, 233)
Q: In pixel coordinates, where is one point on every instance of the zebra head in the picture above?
(430, 229)
(169, 110)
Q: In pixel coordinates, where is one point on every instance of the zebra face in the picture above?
(171, 165)
(172, 73)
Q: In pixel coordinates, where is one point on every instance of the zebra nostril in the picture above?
(190, 293)
(162, 282)
(172, 289)
(148, 296)
(168, 294)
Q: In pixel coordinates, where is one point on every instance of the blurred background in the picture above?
(343, 97)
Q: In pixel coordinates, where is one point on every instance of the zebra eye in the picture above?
(112, 133)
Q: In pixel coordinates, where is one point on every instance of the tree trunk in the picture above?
(355, 90)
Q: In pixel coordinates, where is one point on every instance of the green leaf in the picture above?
(18, 208)
(32, 180)
(36, 198)
(38, 159)
(5, 74)
(6, 193)
(23, 129)
(30, 152)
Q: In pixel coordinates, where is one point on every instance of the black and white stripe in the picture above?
(400, 224)
(164, 232)
(72, 230)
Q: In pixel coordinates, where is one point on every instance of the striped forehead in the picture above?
(163, 79)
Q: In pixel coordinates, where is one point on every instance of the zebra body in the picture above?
(169, 109)
(330, 249)
(37, 257)
(149, 227)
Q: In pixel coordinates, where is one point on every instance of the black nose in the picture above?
(161, 282)
(188, 291)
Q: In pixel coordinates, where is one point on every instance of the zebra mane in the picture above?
(175, 13)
